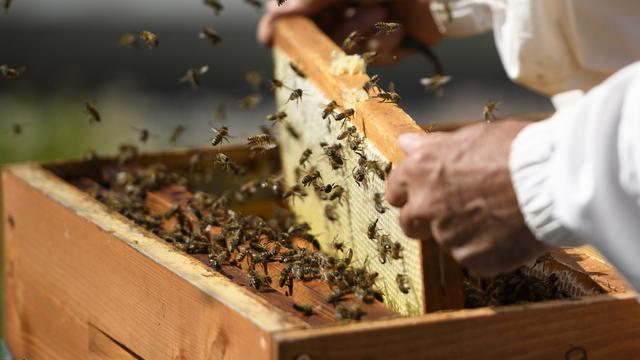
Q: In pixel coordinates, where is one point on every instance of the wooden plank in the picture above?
(603, 327)
(158, 302)
(311, 50)
(101, 346)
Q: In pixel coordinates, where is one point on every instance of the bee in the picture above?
(306, 310)
(436, 83)
(176, 133)
(350, 131)
(255, 3)
(488, 113)
(193, 76)
(149, 38)
(257, 281)
(352, 41)
(221, 112)
(276, 117)
(228, 165)
(390, 97)
(369, 57)
(345, 115)
(330, 212)
(91, 109)
(17, 129)
(403, 283)
(143, 134)
(359, 175)
(329, 108)
(209, 33)
(260, 139)
(386, 27)
(345, 313)
(372, 230)
(253, 78)
(304, 158)
(296, 95)
(334, 153)
(220, 134)
(297, 70)
(387, 168)
(295, 191)
(324, 188)
(377, 199)
(11, 73)
(250, 101)
(281, 2)
(336, 193)
(311, 178)
(215, 5)
(261, 148)
(337, 245)
(266, 130)
(128, 40)
(292, 131)
(372, 83)
(396, 251)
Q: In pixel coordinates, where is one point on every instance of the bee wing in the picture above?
(392, 87)
(203, 70)
(185, 78)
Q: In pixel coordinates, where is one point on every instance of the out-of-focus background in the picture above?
(72, 54)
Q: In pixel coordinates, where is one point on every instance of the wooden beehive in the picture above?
(82, 281)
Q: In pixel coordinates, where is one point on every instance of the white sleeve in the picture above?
(577, 174)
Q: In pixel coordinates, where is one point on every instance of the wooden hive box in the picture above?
(82, 281)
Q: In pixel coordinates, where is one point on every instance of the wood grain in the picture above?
(382, 123)
(604, 327)
(158, 302)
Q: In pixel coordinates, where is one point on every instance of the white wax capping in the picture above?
(343, 64)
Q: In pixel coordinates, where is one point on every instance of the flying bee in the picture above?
(276, 117)
(296, 95)
(352, 41)
(436, 83)
(128, 40)
(292, 131)
(345, 115)
(253, 78)
(255, 3)
(304, 158)
(215, 5)
(297, 70)
(311, 178)
(228, 165)
(6, 4)
(149, 38)
(403, 283)
(345, 313)
(143, 134)
(11, 73)
(372, 230)
(221, 112)
(377, 199)
(295, 191)
(386, 27)
(330, 212)
(220, 134)
(488, 113)
(306, 310)
(372, 84)
(176, 133)
(250, 101)
(193, 76)
(349, 132)
(390, 97)
(209, 33)
(329, 108)
(260, 139)
(369, 57)
(91, 109)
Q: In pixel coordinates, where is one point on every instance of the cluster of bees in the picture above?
(206, 225)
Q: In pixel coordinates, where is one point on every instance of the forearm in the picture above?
(577, 175)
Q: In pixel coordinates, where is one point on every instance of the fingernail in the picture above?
(408, 139)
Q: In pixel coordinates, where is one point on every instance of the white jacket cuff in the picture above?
(529, 163)
(457, 18)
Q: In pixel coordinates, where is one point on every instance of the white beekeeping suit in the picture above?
(577, 174)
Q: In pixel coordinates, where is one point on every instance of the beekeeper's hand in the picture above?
(338, 20)
(456, 187)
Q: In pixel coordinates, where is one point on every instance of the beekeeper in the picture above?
(498, 195)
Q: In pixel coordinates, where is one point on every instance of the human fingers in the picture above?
(264, 32)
